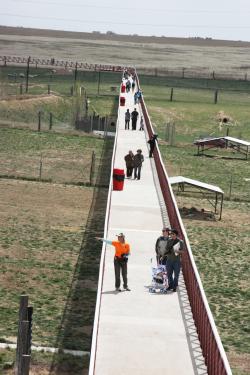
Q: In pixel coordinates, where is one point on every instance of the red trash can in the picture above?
(118, 179)
(123, 88)
(122, 101)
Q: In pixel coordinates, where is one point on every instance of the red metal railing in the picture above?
(212, 349)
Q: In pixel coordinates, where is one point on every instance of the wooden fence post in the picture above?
(230, 187)
(76, 72)
(39, 121)
(50, 120)
(92, 169)
(40, 168)
(167, 132)
(23, 305)
(215, 96)
(171, 94)
(49, 89)
(99, 80)
(21, 89)
(27, 75)
(25, 364)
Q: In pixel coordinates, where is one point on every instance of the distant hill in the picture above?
(7, 30)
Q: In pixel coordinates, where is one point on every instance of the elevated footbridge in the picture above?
(136, 332)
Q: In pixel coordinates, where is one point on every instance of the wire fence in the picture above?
(78, 170)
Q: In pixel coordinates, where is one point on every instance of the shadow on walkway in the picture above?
(75, 330)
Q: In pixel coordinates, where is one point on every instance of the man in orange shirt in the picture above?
(122, 251)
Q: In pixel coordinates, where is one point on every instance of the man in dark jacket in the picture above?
(129, 160)
(161, 246)
(134, 116)
(151, 142)
(138, 160)
(127, 119)
(175, 248)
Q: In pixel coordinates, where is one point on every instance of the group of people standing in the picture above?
(169, 249)
(133, 116)
(134, 163)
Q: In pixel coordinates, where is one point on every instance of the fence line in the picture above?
(182, 72)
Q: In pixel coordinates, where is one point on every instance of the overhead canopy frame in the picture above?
(243, 147)
(218, 193)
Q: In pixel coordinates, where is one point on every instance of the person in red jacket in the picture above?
(122, 251)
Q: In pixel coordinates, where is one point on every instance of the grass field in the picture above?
(46, 242)
(220, 247)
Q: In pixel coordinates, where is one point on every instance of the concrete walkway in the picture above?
(139, 333)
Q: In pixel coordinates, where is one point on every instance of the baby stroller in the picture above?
(159, 279)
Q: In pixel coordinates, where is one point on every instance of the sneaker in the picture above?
(127, 289)
(174, 289)
(168, 289)
(118, 289)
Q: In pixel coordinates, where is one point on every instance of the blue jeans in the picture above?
(173, 266)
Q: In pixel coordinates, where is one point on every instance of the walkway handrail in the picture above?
(212, 348)
(101, 269)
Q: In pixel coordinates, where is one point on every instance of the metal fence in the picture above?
(212, 349)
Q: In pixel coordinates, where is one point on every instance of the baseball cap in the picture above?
(166, 229)
(175, 231)
(120, 235)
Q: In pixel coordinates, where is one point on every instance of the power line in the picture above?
(126, 23)
(82, 5)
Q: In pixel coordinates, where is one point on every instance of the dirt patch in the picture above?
(240, 362)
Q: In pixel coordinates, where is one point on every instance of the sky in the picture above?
(217, 19)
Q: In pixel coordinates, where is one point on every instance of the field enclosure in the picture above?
(48, 227)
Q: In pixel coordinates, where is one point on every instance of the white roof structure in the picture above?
(236, 140)
(230, 139)
(243, 147)
(180, 179)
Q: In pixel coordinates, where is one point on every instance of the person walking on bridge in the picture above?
(122, 252)
(138, 160)
(127, 119)
(151, 142)
(134, 116)
(129, 160)
(175, 249)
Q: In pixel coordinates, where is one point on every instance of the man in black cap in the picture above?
(122, 251)
(151, 142)
(134, 116)
(161, 246)
(175, 248)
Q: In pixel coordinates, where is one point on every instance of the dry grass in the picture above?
(141, 52)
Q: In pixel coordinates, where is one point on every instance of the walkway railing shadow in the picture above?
(75, 331)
